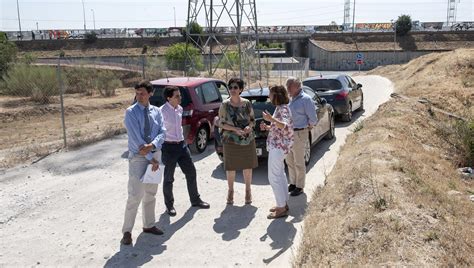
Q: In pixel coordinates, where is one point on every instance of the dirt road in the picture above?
(68, 209)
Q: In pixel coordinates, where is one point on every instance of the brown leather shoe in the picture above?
(126, 239)
(153, 230)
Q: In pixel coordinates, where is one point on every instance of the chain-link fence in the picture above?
(53, 103)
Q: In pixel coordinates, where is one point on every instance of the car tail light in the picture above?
(342, 95)
(188, 113)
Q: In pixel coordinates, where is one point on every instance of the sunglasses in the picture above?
(234, 87)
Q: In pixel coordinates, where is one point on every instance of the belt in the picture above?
(173, 142)
(298, 129)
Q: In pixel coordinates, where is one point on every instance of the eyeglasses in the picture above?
(234, 87)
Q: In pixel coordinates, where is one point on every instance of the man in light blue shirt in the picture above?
(146, 133)
(304, 117)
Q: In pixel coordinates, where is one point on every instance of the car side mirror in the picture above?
(359, 86)
(324, 101)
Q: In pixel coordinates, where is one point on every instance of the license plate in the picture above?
(259, 151)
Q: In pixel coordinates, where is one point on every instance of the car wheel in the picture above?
(331, 131)
(361, 107)
(307, 151)
(200, 141)
(347, 117)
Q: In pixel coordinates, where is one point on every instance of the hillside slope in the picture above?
(394, 196)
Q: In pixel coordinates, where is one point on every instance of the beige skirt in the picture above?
(239, 157)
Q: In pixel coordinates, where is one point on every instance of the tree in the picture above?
(176, 57)
(7, 53)
(90, 38)
(194, 29)
(403, 25)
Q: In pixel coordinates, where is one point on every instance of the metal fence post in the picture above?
(280, 69)
(61, 92)
(143, 66)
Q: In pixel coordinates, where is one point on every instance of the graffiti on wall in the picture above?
(374, 26)
(432, 25)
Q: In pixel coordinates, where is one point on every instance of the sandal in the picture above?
(273, 209)
(230, 197)
(275, 215)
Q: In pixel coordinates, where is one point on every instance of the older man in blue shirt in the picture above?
(146, 133)
(304, 118)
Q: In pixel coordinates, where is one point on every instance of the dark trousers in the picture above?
(173, 154)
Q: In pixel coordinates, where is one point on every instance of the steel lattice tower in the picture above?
(212, 14)
(347, 14)
(451, 17)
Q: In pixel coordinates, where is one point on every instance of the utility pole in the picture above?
(83, 14)
(353, 16)
(93, 17)
(37, 29)
(174, 12)
(19, 21)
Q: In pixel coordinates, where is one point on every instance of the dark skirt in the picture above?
(239, 157)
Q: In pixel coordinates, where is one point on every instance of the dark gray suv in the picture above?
(341, 91)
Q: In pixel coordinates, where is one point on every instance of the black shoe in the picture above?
(171, 211)
(201, 204)
(297, 191)
(291, 187)
(153, 230)
(126, 239)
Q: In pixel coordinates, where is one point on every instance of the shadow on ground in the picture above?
(232, 220)
(281, 231)
(147, 246)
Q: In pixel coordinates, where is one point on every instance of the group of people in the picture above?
(151, 129)
(287, 134)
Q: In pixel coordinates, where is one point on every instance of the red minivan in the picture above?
(201, 99)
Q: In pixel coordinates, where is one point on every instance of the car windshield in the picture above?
(323, 84)
(158, 99)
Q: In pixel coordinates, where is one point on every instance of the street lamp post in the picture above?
(84, 15)
(93, 17)
(353, 16)
(19, 21)
(174, 12)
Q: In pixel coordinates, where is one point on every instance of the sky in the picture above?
(68, 14)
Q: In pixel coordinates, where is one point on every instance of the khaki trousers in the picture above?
(295, 159)
(139, 192)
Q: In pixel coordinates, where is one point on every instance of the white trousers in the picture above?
(139, 192)
(277, 176)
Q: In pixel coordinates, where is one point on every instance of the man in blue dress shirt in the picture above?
(146, 133)
(304, 116)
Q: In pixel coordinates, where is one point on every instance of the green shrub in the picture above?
(106, 83)
(80, 80)
(7, 53)
(465, 136)
(176, 57)
(28, 58)
(38, 82)
(230, 60)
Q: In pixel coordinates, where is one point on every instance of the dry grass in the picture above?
(30, 131)
(403, 202)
